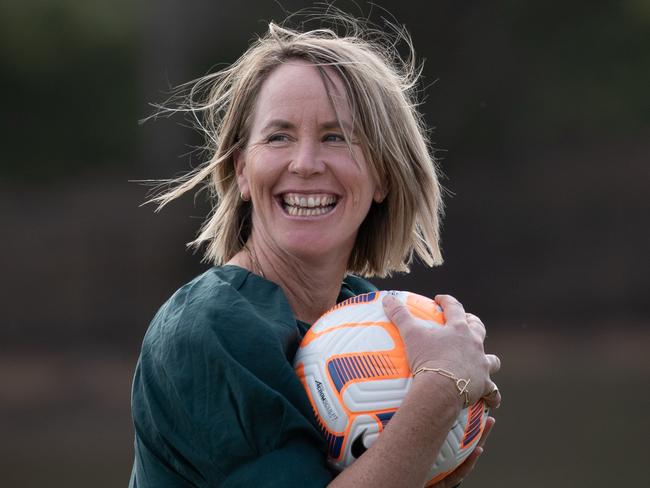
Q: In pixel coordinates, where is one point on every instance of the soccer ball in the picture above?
(353, 366)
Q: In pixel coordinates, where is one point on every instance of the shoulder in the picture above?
(194, 309)
(214, 357)
(225, 314)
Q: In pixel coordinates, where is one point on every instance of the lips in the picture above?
(308, 204)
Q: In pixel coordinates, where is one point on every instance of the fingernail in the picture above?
(479, 450)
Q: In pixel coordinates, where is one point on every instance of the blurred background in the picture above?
(541, 116)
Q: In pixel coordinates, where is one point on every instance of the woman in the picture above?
(320, 168)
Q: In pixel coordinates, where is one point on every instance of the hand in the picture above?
(456, 347)
(461, 472)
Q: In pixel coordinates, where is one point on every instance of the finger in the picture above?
(396, 311)
(451, 307)
(489, 423)
(494, 400)
(494, 363)
(468, 465)
(461, 472)
(476, 325)
(493, 397)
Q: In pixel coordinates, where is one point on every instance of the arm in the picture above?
(403, 454)
(216, 403)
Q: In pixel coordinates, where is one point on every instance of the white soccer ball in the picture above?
(354, 368)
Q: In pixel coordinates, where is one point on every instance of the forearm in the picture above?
(403, 454)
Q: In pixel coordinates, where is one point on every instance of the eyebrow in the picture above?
(285, 124)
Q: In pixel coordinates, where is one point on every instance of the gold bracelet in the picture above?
(461, 383)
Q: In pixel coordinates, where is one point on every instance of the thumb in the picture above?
(397, 312)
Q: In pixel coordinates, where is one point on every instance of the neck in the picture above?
(311, 287)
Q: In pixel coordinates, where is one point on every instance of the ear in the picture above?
(380, 194)
(240, 172)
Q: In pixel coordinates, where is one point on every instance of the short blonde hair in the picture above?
(381, 90)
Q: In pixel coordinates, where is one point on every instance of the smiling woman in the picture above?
(320, 168)
(364, 80)
(310, 186)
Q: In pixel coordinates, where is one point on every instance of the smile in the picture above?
(307, 205)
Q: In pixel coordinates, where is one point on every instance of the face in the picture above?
(309, 191)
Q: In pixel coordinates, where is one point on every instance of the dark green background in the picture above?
(541, 117)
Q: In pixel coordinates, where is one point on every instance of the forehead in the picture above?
(298, 88)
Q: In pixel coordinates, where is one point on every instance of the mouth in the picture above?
(308, 204)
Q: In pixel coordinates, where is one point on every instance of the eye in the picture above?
(334, 138)
(277, 138)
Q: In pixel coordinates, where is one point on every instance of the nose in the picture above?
(306, 160)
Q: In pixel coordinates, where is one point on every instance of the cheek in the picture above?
(263, 170)
(359, 173)
(361, 187)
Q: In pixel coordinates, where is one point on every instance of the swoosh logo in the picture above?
(358, 448)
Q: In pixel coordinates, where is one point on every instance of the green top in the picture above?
(215, 398)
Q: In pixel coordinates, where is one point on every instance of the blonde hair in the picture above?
(381, 90)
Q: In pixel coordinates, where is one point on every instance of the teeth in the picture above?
(306, 212)
(312, 201)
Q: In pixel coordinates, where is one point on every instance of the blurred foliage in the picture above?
(68, 72)
(584, 65)
(549, 73)
(531, 75)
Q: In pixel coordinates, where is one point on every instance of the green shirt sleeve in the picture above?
(215, 398)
